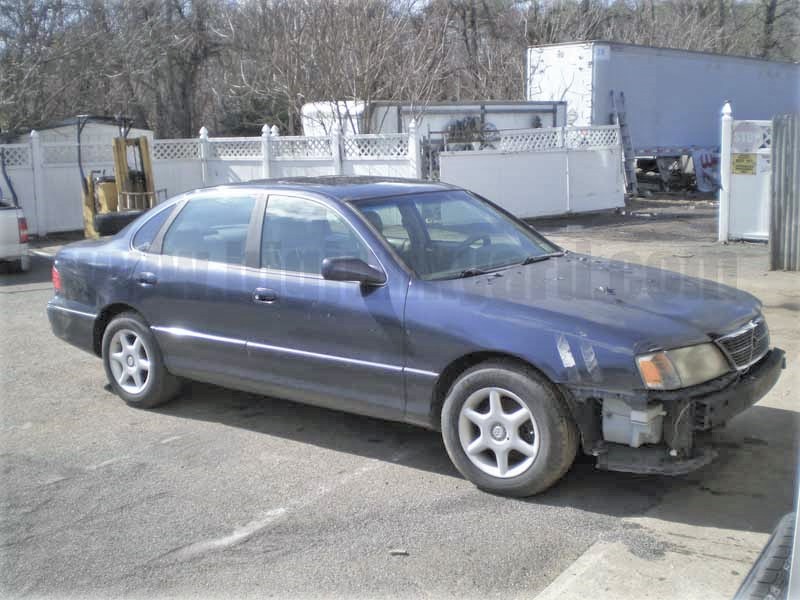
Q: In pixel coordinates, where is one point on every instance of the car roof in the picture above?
(348, 189)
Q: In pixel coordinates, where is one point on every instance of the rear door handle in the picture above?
(146, 278)
(264, 295)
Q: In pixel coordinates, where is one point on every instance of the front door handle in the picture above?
(264, 295)
(146, 278)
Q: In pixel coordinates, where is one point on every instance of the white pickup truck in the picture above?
(13, 236)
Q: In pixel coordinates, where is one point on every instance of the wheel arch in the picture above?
(448, 376)
(104, 317)
(457, 367)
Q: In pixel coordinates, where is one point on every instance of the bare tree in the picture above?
(179, 64)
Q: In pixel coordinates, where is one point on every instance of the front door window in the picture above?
(299, 233)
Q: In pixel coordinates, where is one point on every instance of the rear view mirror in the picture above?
(352, 269)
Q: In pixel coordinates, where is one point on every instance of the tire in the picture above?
(22, 264)
(539, 446)
(17, 265)
(128, 340)
(769, 576)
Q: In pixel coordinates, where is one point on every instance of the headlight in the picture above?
(681, 367)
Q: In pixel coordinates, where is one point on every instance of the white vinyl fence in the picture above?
(46, 178)
(529, 172)
(538, 172)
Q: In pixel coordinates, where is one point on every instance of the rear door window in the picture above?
(148, 232)
(213, 229)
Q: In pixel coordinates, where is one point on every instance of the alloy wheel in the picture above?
(498, 432)
(129, 359)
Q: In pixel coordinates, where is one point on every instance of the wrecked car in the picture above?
(423, 303)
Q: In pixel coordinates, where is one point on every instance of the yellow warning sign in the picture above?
(743, 164)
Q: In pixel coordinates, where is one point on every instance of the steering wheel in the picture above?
(465, 245)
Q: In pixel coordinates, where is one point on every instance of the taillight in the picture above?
(22, 225)
(56, 276)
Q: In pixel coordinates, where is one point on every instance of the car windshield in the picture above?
(448, 234)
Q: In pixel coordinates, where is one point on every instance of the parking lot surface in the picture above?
(223, 493)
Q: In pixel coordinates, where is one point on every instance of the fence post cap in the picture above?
(265, 129)
(412, 124)
(34, 133)
(727, 111)
(204, 132)
(274, 130)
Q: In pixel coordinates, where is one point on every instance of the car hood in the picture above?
(648, 306)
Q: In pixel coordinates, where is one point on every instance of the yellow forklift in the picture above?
(112, 201)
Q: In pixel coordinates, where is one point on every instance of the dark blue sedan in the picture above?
(424, 303)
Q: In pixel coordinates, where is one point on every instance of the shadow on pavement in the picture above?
(584, 487)
(38, 273)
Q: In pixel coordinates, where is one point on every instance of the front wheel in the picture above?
(507, 430)
(133, 363)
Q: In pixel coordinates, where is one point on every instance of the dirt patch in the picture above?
(666, 218)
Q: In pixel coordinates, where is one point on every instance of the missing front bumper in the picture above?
(716, 409)
(652, 460)
(688, 414)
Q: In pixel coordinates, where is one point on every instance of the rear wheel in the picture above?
(133, 363)
(23, 264)
(507, 430)
(18, 265)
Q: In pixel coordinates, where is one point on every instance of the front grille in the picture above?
(748, 344)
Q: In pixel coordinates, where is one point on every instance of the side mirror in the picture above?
(352, 269)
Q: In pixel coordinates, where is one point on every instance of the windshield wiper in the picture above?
(534, 259)
(472, 272)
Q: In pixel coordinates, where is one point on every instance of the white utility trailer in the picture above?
(356, 117)
(672, 97)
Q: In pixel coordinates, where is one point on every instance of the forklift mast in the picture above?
(109, 203)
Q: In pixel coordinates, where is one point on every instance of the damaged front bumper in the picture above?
(716, 409)
(687, 414)
(653, 460)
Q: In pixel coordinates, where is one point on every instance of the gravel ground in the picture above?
(222, 493)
